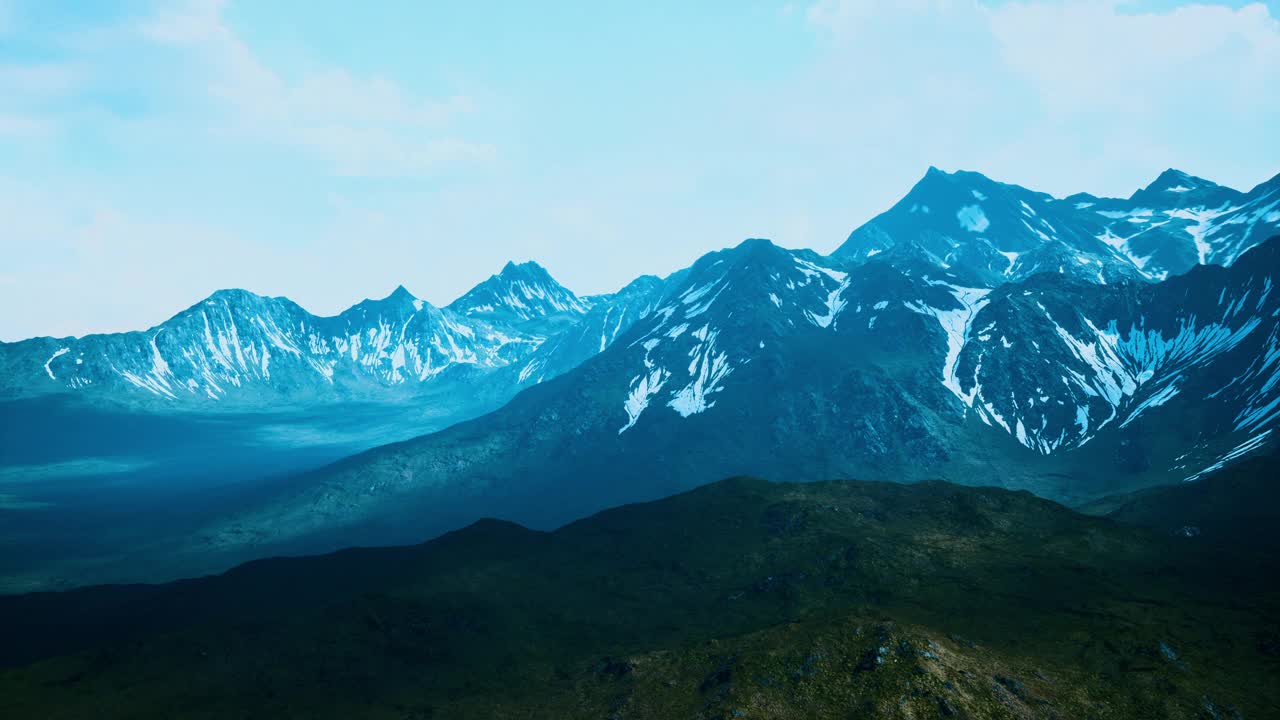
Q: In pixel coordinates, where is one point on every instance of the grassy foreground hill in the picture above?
(741, 599)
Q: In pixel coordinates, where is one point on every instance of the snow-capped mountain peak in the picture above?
(1004, 233)
(399, 302)
(1177, 189)
(521, 292)
(994, 231)
(718, 317)
(1175, 182)
(242, 346)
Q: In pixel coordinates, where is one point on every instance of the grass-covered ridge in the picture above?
(739, 599)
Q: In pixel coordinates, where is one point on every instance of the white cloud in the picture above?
(1063, 96)
(92, 267)
(1095, 55)
(23, 127)
(1080, 55)
(39, 80)
(368, 126)
(26, 91)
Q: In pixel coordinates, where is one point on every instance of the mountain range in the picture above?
(241, 347)
(996, 232)
(977, 332)
(248, 349)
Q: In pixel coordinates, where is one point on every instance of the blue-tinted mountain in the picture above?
(1180, 221)
(523, 295)
(246, 350)
(609, 317)
(1071, 369)
(241, 347)
(995, 232)
(999, 232)
(780, 362)
(521, 326)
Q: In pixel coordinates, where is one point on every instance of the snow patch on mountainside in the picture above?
(707, 369)
(956, 324)
(55, 356)
(643, 387)
(1238, 451)
(834, 305)
(972, 218)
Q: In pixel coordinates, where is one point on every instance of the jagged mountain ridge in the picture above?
(1112, 352)
(1052, 361)
(998, 231)
(523, 295)
(759, 359)
(521, 326)
(239, 346)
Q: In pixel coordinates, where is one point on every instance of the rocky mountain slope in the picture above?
(740, 599)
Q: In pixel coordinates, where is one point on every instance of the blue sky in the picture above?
(152, 152)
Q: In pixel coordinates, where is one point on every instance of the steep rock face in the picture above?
(1180, 221)
(610, 316)
(1054, 363)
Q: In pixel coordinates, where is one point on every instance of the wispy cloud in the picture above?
(1089, 56)
(1078, 56)
(362, 125)
(40, 80)
(21, 126)
(1082, 87)
(29, 94)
